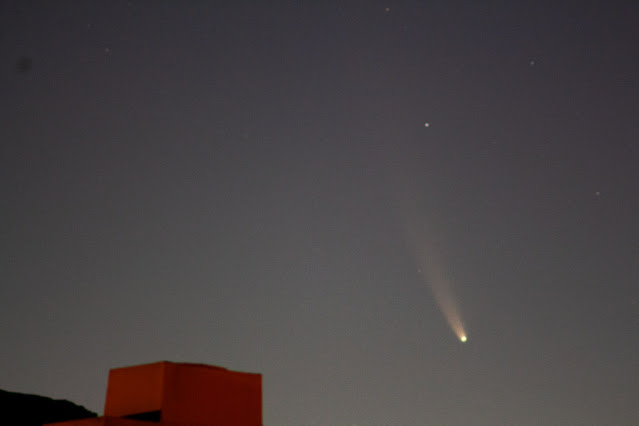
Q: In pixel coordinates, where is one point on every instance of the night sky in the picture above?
(285, 187)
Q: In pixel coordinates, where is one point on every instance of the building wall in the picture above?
(186, 394)
(179, 394)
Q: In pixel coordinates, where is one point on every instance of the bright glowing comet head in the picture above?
(431, 269)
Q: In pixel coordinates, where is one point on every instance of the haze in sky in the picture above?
(319, 191)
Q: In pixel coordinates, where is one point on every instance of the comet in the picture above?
(432, 269)
(441, 287)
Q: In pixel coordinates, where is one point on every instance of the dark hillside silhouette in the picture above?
(34, 410)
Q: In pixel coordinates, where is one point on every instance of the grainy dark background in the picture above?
(220, 182)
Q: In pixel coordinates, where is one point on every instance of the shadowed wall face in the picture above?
(103, 421)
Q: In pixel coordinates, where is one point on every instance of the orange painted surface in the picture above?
(204, 394)
(186, 394)
(133, 390)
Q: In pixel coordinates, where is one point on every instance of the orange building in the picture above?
(179, 394)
